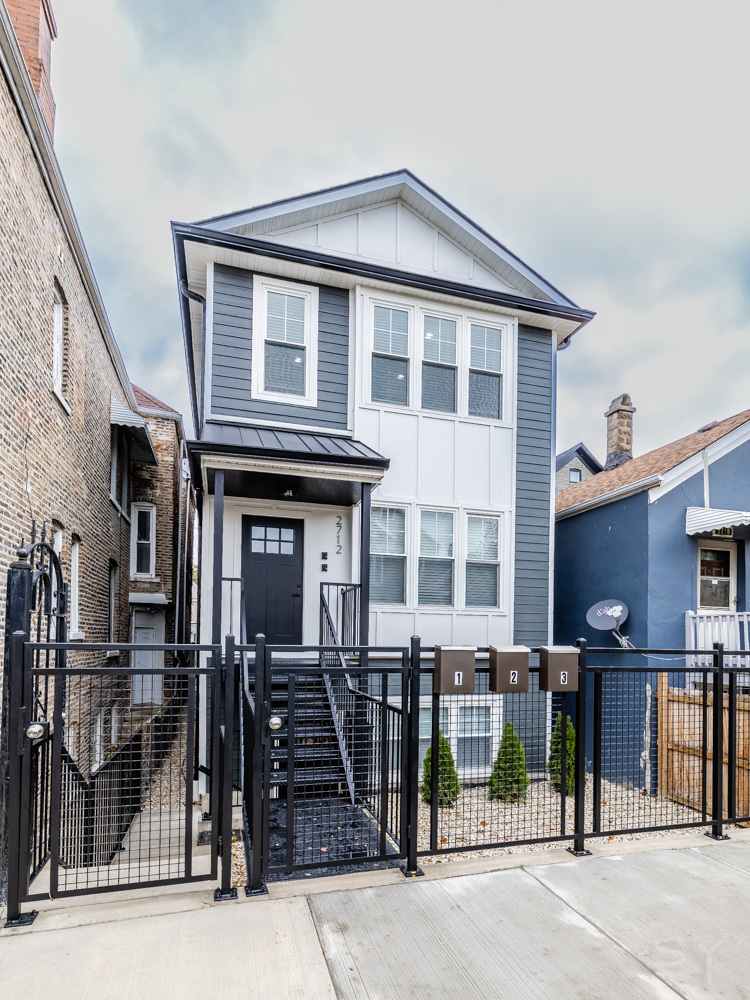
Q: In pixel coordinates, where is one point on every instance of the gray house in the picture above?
(372, 378)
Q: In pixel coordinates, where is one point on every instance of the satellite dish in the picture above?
(607, 615)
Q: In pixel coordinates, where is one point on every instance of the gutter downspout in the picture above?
(189, 294)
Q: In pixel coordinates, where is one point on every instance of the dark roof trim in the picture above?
(392, 175)
(589, 460)
(184, 231)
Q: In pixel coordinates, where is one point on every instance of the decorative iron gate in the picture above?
(103, 755)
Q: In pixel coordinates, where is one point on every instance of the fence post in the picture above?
(717, 792)
(256, 886)
(17, 851)
(579, 817)
(411, 868)
(226, 789)
(732, 748)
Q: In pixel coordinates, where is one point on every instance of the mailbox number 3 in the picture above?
(563, 676)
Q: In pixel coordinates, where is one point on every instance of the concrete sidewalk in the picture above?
(642, 924)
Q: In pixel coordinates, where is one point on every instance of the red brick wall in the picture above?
(35, 30)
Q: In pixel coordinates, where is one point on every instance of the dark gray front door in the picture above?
(272, 571)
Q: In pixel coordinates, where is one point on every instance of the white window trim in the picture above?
(731, 547)
(453, 603)
(74, 591)
(261, 286)
(495, 516)
(134, 508)
(463, 318)
(387, 505)
(58, 342)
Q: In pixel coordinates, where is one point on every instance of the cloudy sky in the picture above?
(605, 144)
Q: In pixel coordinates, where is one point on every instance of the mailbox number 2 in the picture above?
(563, 676)
(458, 678)
(514, 677)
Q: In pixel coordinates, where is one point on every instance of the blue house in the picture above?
(667, 534)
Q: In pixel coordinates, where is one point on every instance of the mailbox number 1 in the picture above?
(459, 678)
(563, 676)
(514, 677)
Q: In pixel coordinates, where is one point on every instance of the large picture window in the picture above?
(436, 558)
(482, 562)
(388, 555)
(285, 328)
(390, 358)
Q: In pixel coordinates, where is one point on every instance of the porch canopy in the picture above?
(121, 415)
(705, 520)
(285, 465)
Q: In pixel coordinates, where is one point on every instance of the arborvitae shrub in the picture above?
(509, 779)
(448, 785)
(554, 767)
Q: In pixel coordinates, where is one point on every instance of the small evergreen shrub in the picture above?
(449, 787)
(554, 764)
(509, 780)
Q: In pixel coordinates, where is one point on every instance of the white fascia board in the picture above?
(24, 96)
(694, 465)
(388, 185)
(623, 491)
(311, 274)
(275, 467)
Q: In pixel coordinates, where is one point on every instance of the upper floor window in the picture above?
(390, 358)
(119, 460)
(59, 344)
(388, 555)
(574, 476)
(112, 601)
(285, 342)
(143, 540)
(485, 378)
(436, 558)
(439, 365)
(74, 592)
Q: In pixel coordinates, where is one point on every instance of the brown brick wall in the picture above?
(55, 463)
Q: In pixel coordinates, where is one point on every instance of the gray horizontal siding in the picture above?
(231, 368)
(533, 485)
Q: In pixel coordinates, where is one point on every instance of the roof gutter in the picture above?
(14, 68)
(297, 255)
(624, 491)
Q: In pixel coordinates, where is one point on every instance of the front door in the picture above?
(272, 571)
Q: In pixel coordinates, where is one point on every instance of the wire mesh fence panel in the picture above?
(652, 747)
(335, 767)
(737, 729)
(115, 773)
(503, 770)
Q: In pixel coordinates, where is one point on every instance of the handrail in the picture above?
(348, 770)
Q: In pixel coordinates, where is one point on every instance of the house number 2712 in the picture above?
(339, 525)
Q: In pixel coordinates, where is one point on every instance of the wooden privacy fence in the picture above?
(686, 748)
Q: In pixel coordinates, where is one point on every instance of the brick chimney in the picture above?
(619, 431)
(35, 28)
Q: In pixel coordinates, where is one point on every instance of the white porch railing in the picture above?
(704, 628)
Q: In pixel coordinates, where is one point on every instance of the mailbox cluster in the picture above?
(455, 669)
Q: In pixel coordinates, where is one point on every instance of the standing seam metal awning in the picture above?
(121, 415)
(699, 520)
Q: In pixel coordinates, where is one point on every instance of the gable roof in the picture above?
(581, 452)
(645, 468)
(146, 401)
(290, 219)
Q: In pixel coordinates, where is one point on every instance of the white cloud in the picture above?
(603, 144)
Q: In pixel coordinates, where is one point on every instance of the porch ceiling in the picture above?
(286, 486)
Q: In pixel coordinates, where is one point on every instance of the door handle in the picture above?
(296, 595)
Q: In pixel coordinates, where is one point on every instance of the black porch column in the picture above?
(218, 554)
(364, 567)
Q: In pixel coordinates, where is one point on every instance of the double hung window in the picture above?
(388, 555)
(439, 365)
(485, 378)
(143, 540)
(284, 366)
(436, 558)
(390, 358)
(59, 343)
(482, 562)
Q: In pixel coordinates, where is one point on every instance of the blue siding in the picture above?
(535, 418)
(232, 355)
